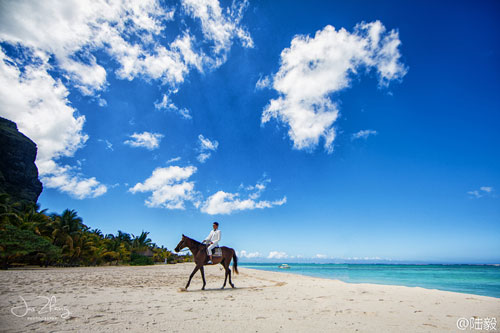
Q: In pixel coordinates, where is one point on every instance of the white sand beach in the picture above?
(117, 299)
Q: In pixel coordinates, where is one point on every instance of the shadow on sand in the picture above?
(184, 290)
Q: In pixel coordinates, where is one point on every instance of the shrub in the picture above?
(18, 244)
(140, 260)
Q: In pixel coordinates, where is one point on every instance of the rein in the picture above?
(186, 250)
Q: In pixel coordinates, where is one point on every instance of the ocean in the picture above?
(471, 279)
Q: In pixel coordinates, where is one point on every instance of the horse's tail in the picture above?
(235, 262)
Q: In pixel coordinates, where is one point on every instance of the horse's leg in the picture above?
(229, 272)
(225, 278)
(202, 271)
(192, 274)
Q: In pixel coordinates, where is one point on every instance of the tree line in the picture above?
(30, 236)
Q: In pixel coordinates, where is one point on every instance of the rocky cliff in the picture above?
(18, 172)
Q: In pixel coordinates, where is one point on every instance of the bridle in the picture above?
(184, 246)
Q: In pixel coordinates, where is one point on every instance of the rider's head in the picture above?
(216, 225)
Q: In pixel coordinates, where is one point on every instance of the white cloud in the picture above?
(72, 30)
(207, 144)
(66, 180)
(313, 68)
(206, 147)
(174, 159)
(487, 189)
(219, 27)
(89, 78)
(184, 113)
(169, 187)
(102, 102)
(277, 255)
(203, 157)
(38, 104)
(366, 258)
(225, 203)
(66, 32)
(62, 39)
(245, 254)
(147, 140)
(483, 191)
(258, 188)
(263, 82)
(475, 194)
(321, 256)
(166, 104)
(108, 144)
(363, 134)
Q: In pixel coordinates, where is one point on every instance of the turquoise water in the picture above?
(471, 279)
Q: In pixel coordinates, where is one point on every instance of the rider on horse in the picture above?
(212, 240)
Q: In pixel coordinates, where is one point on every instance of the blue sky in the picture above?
(324, 130)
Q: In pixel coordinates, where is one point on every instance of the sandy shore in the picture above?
(116, 299)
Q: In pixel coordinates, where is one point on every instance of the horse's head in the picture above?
(182, 244)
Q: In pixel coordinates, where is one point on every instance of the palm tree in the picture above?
(7, 212)
(124, 238)
(97, 232)
(5, 203)
(142, 242)
(83, 246)
(116, 250)
(67, 229)
(34, 219)
(102, 253)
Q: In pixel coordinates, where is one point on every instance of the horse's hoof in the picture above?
(203, 288)
(183, 289)
(232, 286)
(222, 287)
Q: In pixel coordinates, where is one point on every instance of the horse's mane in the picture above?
(194, 240)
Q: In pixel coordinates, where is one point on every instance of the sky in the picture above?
(310, 130)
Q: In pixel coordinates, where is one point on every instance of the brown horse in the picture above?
(201, 257)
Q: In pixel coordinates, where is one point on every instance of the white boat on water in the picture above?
(284, 266)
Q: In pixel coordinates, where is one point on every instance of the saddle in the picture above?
(216, 255)
(217, 252)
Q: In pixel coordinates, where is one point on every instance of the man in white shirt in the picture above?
(212, 240)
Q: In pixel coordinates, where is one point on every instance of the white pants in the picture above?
(210, 248)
